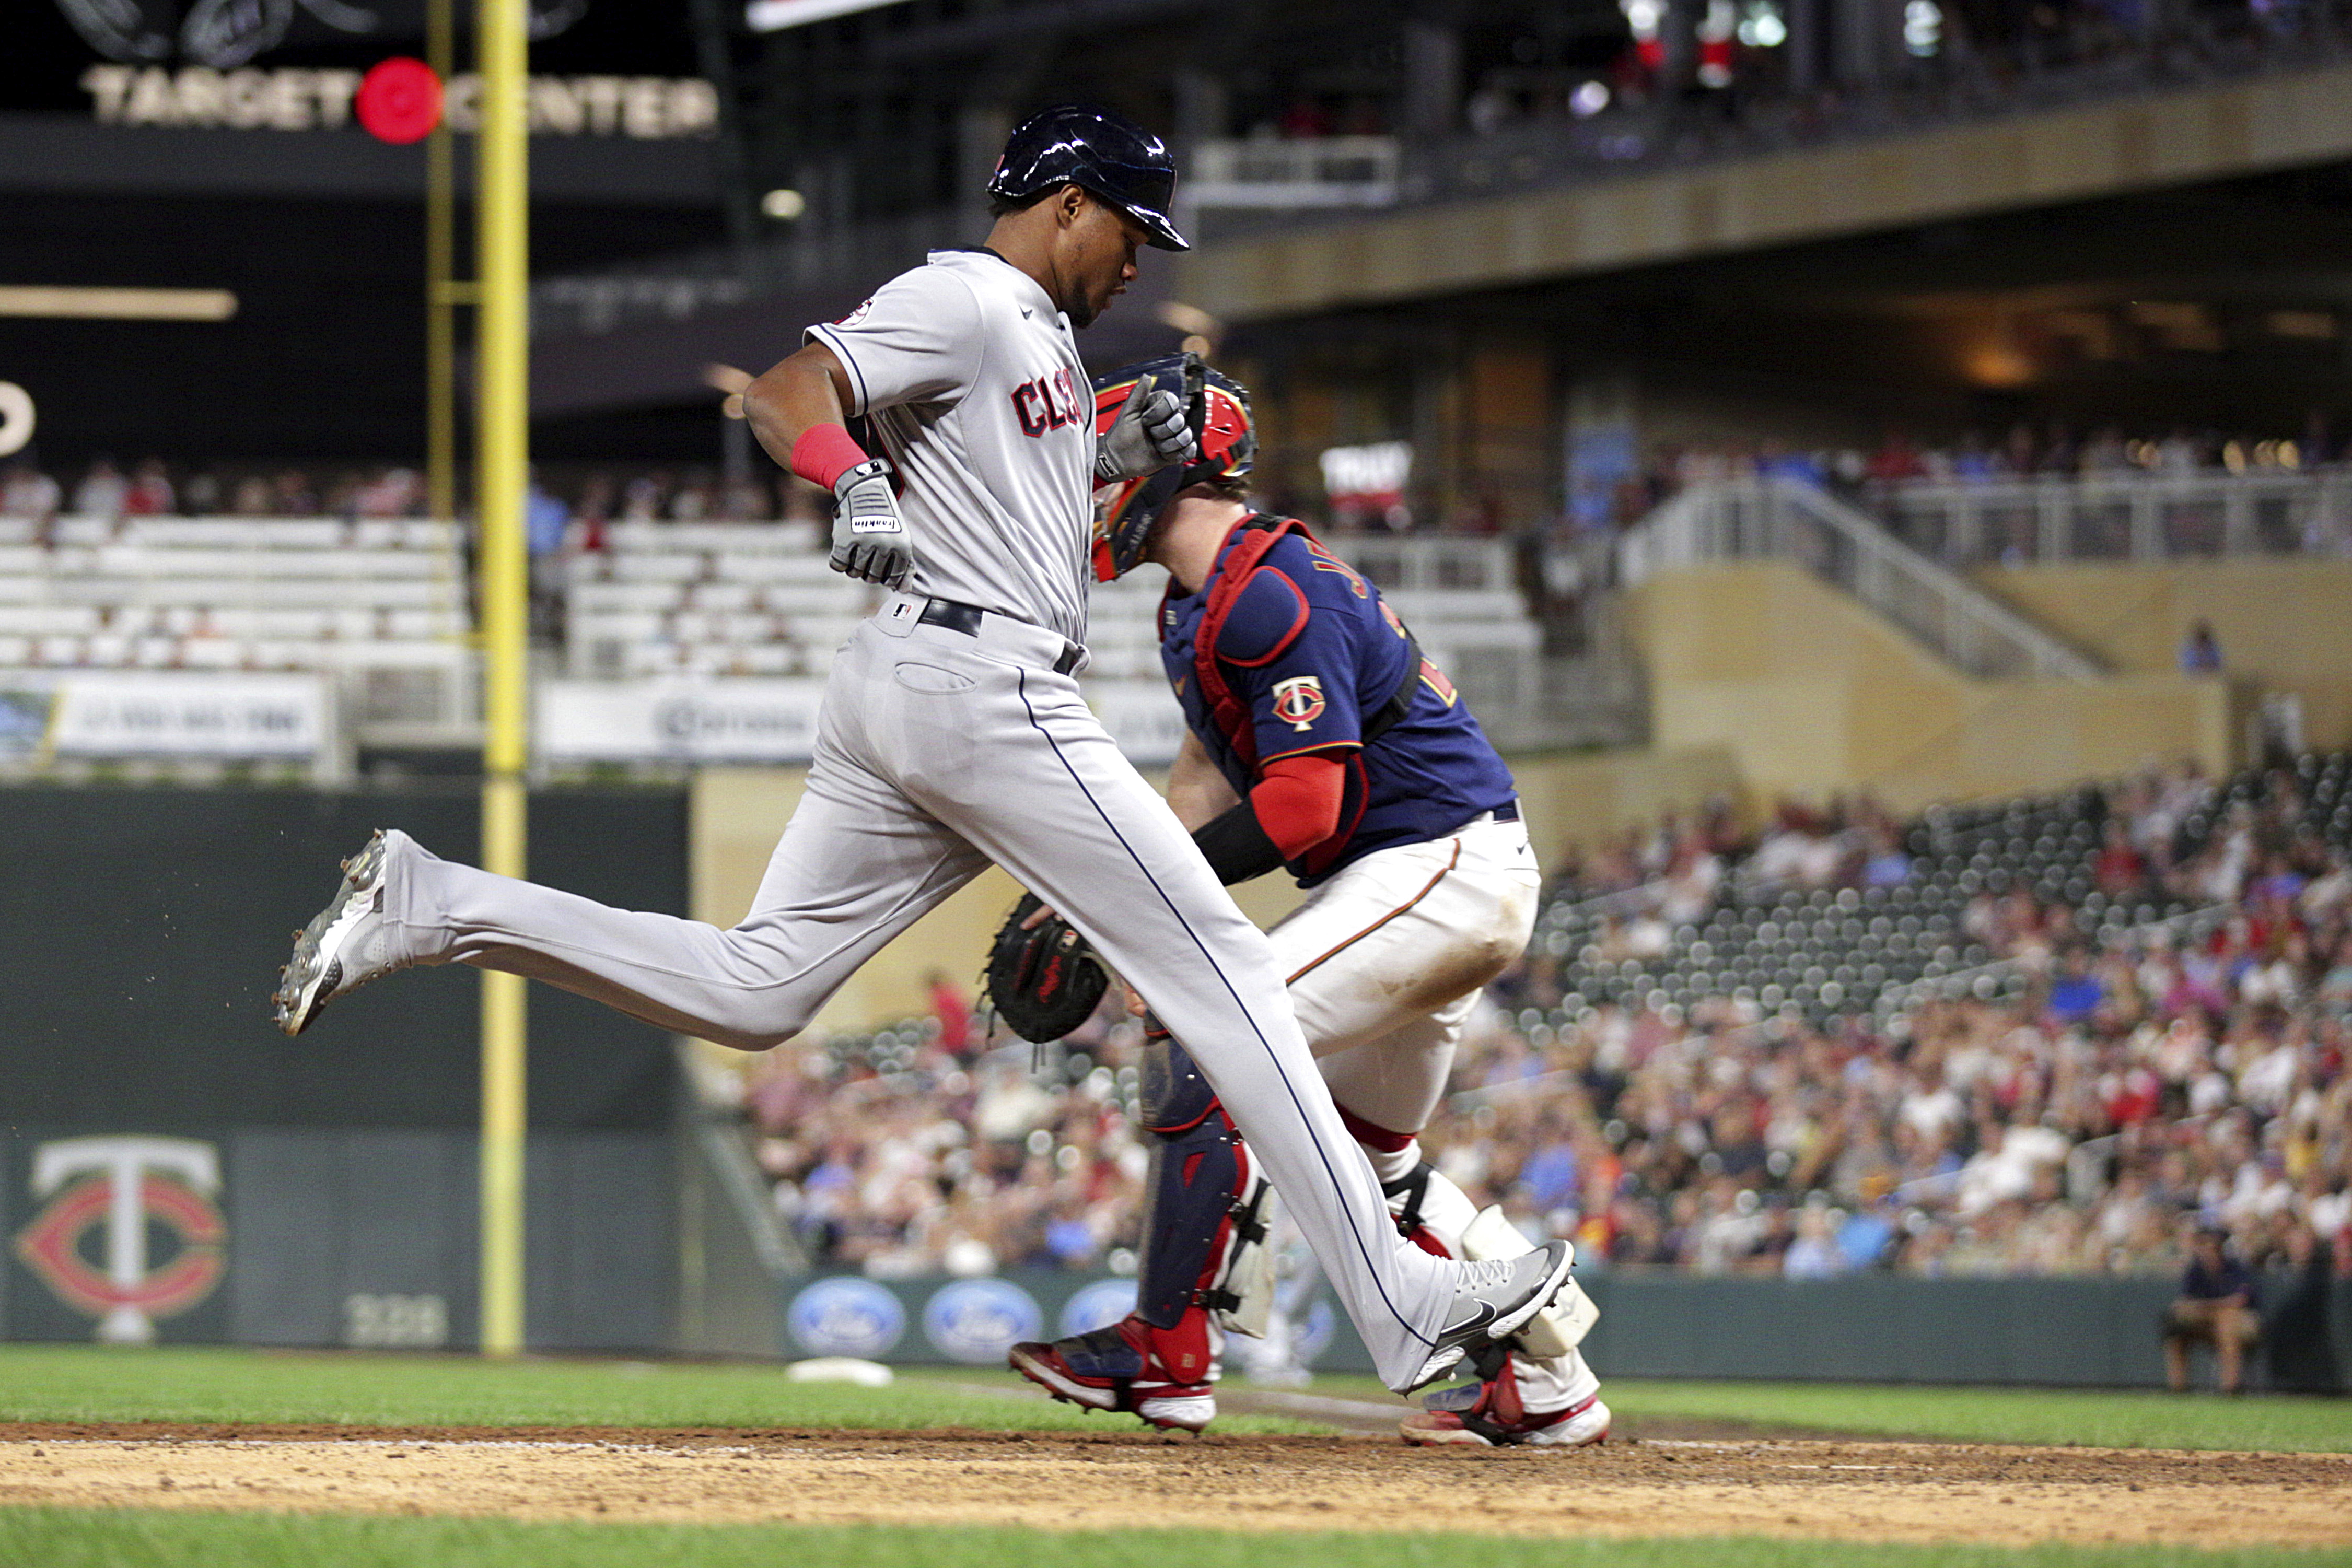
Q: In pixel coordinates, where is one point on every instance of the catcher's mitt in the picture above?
(1045, 982)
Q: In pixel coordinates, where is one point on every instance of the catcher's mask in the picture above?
(1225, 441)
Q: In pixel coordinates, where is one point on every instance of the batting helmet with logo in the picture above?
(1224, 445)
(1106, 153)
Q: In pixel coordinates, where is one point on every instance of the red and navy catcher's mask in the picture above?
(1224, 446)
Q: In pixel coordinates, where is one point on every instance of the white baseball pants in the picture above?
(1387, 958)
(938, 752)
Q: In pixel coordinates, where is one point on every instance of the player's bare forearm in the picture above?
(805, 389)
(1197, 792)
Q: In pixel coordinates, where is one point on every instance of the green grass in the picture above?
(72, 1537)
(2097, 1418)
(91, 1383)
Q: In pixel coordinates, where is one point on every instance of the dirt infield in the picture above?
(1842, 1489)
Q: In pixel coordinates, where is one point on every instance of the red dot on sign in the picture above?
(399, 100)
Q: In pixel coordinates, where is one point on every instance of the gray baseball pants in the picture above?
(938, 752)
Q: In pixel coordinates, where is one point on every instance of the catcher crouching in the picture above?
(1323, 743)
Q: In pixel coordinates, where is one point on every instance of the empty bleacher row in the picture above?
(224, 593)
(1845, 950)
(713, 598)
(383, 605)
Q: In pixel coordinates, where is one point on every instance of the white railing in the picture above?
(1426, 563)
(1782, 519)
(2121, 517)
(1323, 172)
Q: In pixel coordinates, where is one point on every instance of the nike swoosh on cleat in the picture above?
(1485, 1315)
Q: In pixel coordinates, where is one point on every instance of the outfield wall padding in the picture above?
(368, 1239)
(143, 929)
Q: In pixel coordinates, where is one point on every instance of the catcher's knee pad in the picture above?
(1175, 1091)
(1205, 1216)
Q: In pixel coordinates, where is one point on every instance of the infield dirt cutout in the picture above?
(1109, 1479)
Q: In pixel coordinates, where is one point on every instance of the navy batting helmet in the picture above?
(1108, 153)
(1224, 445)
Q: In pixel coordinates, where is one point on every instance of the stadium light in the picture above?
(117, 304)
(775, 15)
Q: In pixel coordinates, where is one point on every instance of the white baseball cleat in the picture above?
(1493, 1301)
(1492, 1415)
(343, 947)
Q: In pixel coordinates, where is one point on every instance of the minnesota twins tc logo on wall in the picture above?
(1299, 701)
(125, 1186)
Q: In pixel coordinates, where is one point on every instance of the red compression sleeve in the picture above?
(824, 453)
(1298, 801)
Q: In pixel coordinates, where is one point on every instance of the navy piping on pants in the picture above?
(1320, 1152)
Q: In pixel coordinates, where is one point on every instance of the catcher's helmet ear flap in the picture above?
(1224, 445)
(1106, 153)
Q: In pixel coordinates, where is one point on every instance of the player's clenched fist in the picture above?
(869, 537)
(1151, 431)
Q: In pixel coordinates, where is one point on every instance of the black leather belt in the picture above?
(957, 616)
(1508, 812)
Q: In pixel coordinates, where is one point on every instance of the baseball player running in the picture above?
(952, 733)
(1320, 741)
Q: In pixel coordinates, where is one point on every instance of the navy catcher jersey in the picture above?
(1312, 652)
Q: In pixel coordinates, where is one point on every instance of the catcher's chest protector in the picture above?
(1260, 533)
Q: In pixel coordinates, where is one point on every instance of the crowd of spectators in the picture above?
(2126, 1084)
(2122, 1087)
(1974, 457)
(925, 1150)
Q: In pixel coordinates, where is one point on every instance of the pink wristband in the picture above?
(824, 453)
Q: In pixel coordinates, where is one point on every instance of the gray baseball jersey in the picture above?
(974, 389)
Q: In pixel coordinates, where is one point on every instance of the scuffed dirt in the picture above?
(1114, 1478)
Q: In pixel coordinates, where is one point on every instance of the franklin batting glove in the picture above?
(869, 537)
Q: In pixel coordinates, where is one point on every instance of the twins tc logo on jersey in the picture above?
(1049, 402)
(1299, 701)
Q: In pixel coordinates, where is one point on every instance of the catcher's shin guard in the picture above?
(1430, 1211)
(1204, 1217)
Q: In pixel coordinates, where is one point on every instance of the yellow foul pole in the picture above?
(503, 347)
(440, 277)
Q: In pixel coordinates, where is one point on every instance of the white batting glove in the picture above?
(1150, 432)
(869, 537)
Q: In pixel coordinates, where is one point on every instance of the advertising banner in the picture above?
(162, 713)
(734, 720)
(931, 1320)
(749, 719)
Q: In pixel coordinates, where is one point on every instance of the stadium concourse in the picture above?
(2065, 1029)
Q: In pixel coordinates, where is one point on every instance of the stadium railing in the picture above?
(2122, 516)
(1785, 519)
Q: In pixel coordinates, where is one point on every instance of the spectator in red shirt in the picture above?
(2119, 870)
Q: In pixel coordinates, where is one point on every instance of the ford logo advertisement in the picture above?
(846, 1316)
(977, 1321)
(1097, 1305)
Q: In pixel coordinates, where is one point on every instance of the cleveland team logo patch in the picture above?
(1299, 701)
